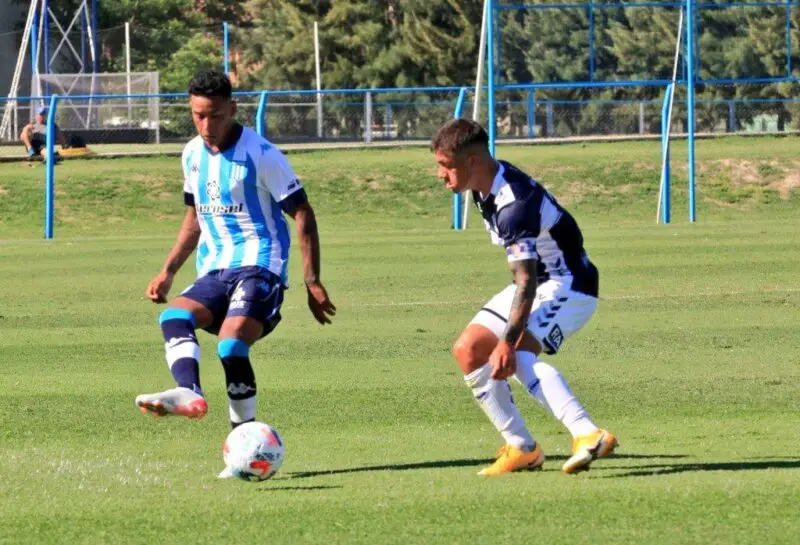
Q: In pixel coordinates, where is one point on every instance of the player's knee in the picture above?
(177, 325)
(176, 314)
(466, 353)
(232, 348)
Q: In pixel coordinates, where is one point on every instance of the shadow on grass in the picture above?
(281, 488)
(671, 469)
(467, 462)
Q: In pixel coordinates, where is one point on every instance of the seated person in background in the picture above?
(34, 135)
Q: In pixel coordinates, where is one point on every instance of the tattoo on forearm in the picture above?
(525, 279)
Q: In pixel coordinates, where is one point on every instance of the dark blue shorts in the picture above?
(254, 292)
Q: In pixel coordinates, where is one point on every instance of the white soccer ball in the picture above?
(253, 451)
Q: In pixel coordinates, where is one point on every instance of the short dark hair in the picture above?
(210, 83)
(459, 134)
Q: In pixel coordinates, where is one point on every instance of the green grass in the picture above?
(693, 361)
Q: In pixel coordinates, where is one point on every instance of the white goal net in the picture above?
(84, 107)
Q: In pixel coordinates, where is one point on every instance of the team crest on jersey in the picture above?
(212, 190)
(505, 196)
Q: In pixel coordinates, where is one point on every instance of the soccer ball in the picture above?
(253, 451)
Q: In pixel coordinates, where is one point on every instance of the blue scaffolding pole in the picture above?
(226, 68)
(490, 120)
(690, 99)
(458, 199)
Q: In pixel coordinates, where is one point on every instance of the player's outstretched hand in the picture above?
(320, 304)
(158, 289)
(503, 361)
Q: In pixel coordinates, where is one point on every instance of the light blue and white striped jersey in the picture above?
(238, 194)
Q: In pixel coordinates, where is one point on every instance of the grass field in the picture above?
(693, 361)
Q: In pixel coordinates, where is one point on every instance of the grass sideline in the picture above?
(693, 360)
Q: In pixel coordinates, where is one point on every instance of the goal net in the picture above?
(96, 120)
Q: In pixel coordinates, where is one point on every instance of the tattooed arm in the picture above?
(503, 360)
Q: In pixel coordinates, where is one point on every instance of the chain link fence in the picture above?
(145, 122)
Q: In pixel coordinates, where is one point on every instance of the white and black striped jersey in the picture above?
(524, 218)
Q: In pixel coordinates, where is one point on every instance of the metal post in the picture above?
(458, 199)
(261, 122)
(641, 117)
(226, 66)
(45, 22)
(34, 59)
(83, 40)
(46, 29)
(591, 41)
(549, 110)
(95, 40)
(666, 112)
(696, 49)
(490, 121)
(49, 198)
(368, 118)
(498, 47)
(532, 113)
(462, 95)
(476, 106)
(690, 83)
(319, 79)
(731, 116)
(128, 68)
(788, 39)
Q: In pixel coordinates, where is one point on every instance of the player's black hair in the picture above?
(210, 83)
(457, 135)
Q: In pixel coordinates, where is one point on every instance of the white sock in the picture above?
(242, 410)
(494, 397)
(549, 388)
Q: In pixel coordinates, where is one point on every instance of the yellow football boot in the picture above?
(511, 458)
(589, 447)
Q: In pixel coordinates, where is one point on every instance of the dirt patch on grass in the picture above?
(724, 204)
(784, 187)
(751, 175)
(3, 191)
(742, 172)
(368, 183)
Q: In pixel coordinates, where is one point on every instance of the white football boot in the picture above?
(178, 401)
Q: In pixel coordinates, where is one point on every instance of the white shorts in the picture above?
(557, 313)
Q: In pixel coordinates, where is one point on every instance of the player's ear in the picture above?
(233, 107)
(472, 159)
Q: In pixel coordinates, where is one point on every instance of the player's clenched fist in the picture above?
(159, 287)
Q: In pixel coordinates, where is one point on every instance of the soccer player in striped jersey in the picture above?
(553, 295)
(237, 188)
